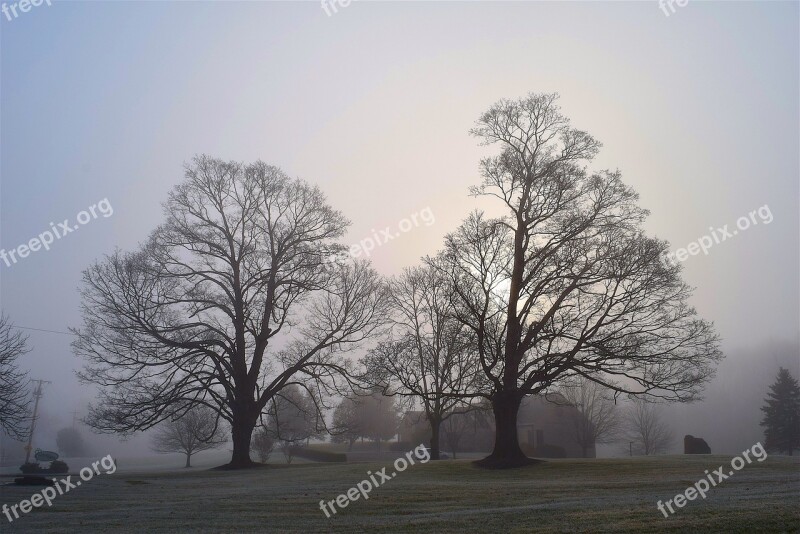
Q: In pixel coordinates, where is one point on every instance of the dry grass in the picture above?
(449, 496)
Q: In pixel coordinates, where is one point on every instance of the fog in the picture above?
(109, 100)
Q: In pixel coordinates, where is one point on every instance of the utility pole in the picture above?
(37, 394)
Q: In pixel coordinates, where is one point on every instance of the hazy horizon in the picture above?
(698, 110)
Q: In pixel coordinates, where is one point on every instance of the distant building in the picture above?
(546, 428)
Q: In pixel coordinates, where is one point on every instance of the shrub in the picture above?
(58, 466)
(30, 467)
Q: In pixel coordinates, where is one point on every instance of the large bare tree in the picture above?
(14, 384)
(566, 283)
(194, 315)
(432, 359)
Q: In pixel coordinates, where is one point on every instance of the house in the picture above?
(546, 427)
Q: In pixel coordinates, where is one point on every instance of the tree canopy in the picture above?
(566, 283)
(193, 315)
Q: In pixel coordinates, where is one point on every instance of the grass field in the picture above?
(601, 495)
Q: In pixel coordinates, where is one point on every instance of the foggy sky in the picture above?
(698, 110)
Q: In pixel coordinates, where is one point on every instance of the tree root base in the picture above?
(491, 462)
(235, 467)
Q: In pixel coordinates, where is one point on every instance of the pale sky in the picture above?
(698, 110)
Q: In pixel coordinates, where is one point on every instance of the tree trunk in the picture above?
(242, 433)
(435, 425)
(507, 452)
(188, 458)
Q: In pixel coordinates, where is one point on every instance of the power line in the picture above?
(44, 330)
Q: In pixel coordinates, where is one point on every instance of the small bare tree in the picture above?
(262, 444)
(14, 390)
(347, 425)
(646, 430)
(595, 419)
(458, 425)
(379, 416)
(433, 358)
(292, 419)
(196, 430)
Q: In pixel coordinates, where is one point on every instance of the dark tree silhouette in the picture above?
(782, 414)
(14, 384)
(566, 283)
(191, 316)
(70, 441)
(196, 430)
(433, 358)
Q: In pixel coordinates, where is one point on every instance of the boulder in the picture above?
(693, 445)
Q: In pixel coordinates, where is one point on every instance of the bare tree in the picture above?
(191, 316)
(566, 283)
(14, 384)
(366, 414)
(379, 415)
(595, 419)
(292, 419)
(347, 424)
(196, 430)
(262, 443)
(433, 359)
(456, 426)
(646, 430)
